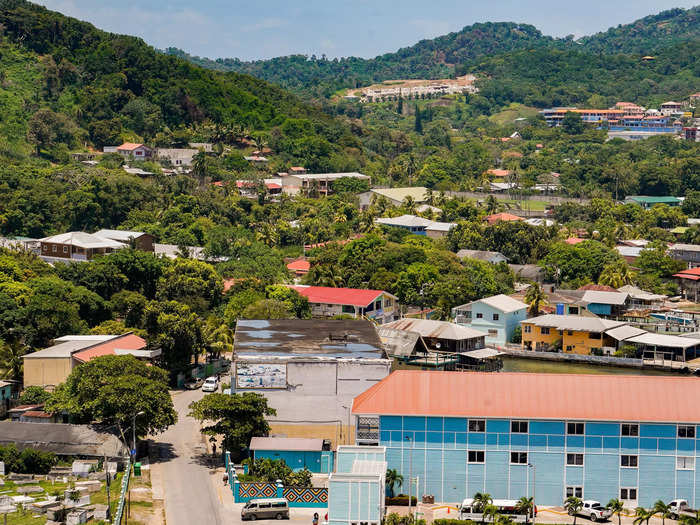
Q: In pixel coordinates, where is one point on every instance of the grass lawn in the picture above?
(524, 205)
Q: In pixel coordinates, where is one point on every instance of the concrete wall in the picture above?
(46, 371)
(319, 395)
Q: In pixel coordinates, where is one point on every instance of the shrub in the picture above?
(401, 501)
(29, 461)
(34, 395)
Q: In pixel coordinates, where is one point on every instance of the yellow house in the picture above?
(575, 334)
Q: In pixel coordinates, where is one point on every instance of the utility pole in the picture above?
(410, 473)
(534, 483)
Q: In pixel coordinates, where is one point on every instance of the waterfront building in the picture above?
(576, 334)
(549, 435)
(497, 316)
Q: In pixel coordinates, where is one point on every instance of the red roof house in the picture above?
(502, 217)
(328, 302)
(299, 267)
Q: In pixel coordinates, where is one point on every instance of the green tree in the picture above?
(616, 507)
(267, 309)
(34, 395)
(112, 390)
(573, 505)
(418, 124)
(237, 418)
(177, 330)
(11, 358)
(662, 509)
(535, 298)
(481, 500)
(293, 300)
(393, 479)
(616, 274)
(572, 123)
(525, 506)
(191, 282)
(642, 515)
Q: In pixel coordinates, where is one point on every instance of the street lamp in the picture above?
(410, 472)
(534, 482)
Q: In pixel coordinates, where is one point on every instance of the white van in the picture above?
(506, 507)
(266, 509)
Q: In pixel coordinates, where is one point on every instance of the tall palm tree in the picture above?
(616, 274)
(11, 362)
(573, 505)
(616, 506)
(393, 478)
(490, 512)
(482, 500)
(535, 297)
(663, 510)
(642, 515)
(409, 205)
(525, 506)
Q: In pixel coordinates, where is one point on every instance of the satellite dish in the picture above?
(438, 345)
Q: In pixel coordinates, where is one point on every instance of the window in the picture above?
(569, 332)
(576, 492)
(65, 249)
(477, 425)
(685, 463)
(528, 328)
(476, 456)
(493, 333)
(573, 310)
(544, 330)
(595, 336)
(575, 429)
(479, 315)
(628, 494)
(569, 348)
(575, 460)
(495, 317)
(348, 309)
(685, 431)
(44, 247)
(518, 458)
(518, 427)
(629, 429)
(378, 305)
(53, 249)
(629, 461)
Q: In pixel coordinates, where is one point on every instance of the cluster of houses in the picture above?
(414, 89)
(630, 121)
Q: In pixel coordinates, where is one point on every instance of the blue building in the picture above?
(548, 435)
(496, 316)
(297, 453)
(356, 489)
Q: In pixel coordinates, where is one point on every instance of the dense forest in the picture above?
(466, 50)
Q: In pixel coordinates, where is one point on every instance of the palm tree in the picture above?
(11, 362)
(573, 505)
(393, 478)
(409, 205)
(535, 297)
(663, 510)
(200, 165)
(691, 520)
(616, 506)
(525, 506)
(482, 500)
(642, 515)
(491, 204)
(616, 274)
(504, 520)
(260, 142)
(491, 512)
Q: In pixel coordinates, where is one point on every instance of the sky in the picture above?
(257, 29)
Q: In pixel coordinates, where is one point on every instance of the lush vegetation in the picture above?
(28, 461)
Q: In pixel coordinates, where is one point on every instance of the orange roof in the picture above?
(300, 265)
(498, 172)
(37, 413)
(574, 240)
(669, 399)
(296, 168)
(129, 146)
(693, 274)
(499, 217)
(126, 342)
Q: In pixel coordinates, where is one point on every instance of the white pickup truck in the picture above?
(594, 511)
(680, 507)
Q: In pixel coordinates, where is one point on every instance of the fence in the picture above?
(590, 359)
(122, 494)
(310, 497)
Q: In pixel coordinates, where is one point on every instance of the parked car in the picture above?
(679, 508)
(211, 384)
(262, 509)
(193, 383)
(594, 511)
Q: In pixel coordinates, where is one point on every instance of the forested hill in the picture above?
(649, 34)
(457, 52)
(433, 58)
(101, 87)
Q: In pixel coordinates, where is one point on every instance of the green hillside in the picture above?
(434, 58)
(94, 87)
(499, 49)
(649, 34)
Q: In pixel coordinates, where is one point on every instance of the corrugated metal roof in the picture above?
(83, 240)
(82, 440)
(418, 194)
(664, 340)
(481, 255)
(625, 332)
(288, 444)
(574, 322)
(534, 396)
(370, 467)
(343, 296)
(119, 235)
(436, 329)
(408, 221)
(598, 297)
(125, 342)
(68, 346)
(483, 353)
(503, 303)
(398, 343)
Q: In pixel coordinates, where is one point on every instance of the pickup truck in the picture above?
(594, 511)
(680, 507)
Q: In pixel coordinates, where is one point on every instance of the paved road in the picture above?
(189, 485)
